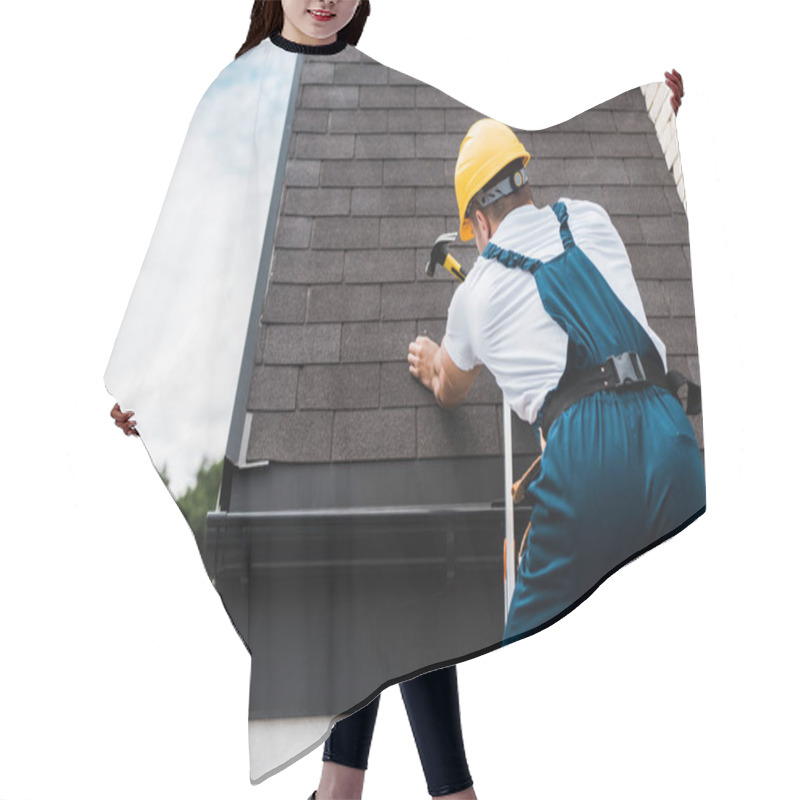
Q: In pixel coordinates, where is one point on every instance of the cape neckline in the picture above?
(308, 49)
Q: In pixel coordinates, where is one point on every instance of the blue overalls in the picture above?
(621, 471)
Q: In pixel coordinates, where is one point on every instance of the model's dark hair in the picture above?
(266, 19)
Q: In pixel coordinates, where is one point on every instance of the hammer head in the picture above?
(439, 252)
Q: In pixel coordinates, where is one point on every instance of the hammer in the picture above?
(440, 257)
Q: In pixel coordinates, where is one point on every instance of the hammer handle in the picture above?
(454, 268)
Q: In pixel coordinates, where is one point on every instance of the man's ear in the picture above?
(483, 225)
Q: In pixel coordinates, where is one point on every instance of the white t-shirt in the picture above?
(497, 318)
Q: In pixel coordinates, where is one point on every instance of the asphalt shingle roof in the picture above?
(368, 189)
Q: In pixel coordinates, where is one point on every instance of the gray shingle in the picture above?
(697, 426)
(547, 195)
(629, 229)
(546, 144)
(452, 223)
(340, 303)
(379, 266)
(291, 436)
(635, 200)
(594, 193)
(694, 368)
(414, 232)
(302, 173)
(620, 145)
(377, 341)
(417, 120)
(310, 121)
(316, 202)
(526, 138)
(392, 145)
(329, 97)
(400, 389)
(464, 431)
(401, 79)
(339, 386)
(361, 74)
(386, 97)
(374, 435)
(485, 390)
(345, 233)
(371, 121)
(654, 299)
(307, 266)
(416, 172)
(285, 304)
(648, 171)
(428, 97)
(666, 261)
(460, 120)
(680, 298)
(293, 232)
(655, 147)
(594, 120)
(580, 171)
(382, 202)
(632, 100)
(300, 344)
(432, 328)
(438, 145)
(324, 145)
(352, 173)
(435, 201)
(633, 122)
(318, 72)
(416, 300)
(674, 200)
(273, 389)
(523, 439)
(678, 334)
(665, 230)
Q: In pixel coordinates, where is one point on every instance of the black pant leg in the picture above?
(433, 711)
(351, 738)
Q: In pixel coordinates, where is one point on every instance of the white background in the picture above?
(120, 675)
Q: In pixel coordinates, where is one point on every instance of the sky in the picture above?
(120, 673)
(178, 353)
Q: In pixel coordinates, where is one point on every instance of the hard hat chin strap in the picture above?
(509, 185)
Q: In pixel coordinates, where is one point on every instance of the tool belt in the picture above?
(618, 373)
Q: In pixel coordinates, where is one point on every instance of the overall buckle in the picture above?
(622, 369)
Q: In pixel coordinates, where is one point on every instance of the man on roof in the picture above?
(552, 309)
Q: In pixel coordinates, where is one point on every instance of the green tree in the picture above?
(198, 500)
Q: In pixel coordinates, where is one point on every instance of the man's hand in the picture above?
(674, 82)
(422, 354)
(431, 365)
(124, 420)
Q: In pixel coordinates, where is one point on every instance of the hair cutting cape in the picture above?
(353, 529)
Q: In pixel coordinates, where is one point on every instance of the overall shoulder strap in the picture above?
(511, 259)
(514, 260)
(560, 210)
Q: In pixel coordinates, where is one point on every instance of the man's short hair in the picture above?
(497, 210)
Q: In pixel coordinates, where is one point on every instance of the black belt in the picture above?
(618, 373)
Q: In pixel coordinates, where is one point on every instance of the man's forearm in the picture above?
(440, 386)
(430, 364)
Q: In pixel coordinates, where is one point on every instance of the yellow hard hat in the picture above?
(487, 149)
